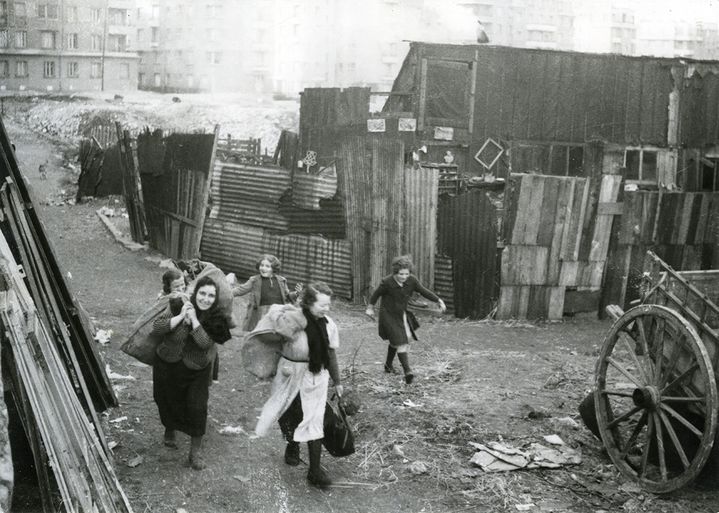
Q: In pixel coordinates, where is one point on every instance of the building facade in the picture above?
(67, 45)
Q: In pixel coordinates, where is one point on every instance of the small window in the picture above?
(96, 15)
(96, 70)
(73, 69)
(4, 43)
(4, 69)
(72, 40)
(641, 165)
(71, 13)
(21, 39)
(47, 39)
(20, 9)
(48, 69)
(96, 42)
(709, 180)
(20, 68)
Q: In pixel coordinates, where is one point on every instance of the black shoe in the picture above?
(292, 454)
(389, 369)
(319, 478)
(409, 378)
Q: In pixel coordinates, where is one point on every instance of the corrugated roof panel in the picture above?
(420, 229)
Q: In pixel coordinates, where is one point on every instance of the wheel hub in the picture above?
(647, 397)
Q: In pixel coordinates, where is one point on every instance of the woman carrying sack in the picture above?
(299, 389)
(396, 324)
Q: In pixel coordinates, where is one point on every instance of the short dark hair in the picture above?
(168, 277)
(272, 259)
(402, 262)
(201, 282)
(309, 293)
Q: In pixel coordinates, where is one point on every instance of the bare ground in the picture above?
(477, 382)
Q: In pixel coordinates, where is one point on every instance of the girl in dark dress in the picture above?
(182, 371)
(394, 326)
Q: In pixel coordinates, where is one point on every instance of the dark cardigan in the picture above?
(394, 305)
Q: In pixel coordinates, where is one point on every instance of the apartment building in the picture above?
(67, 45)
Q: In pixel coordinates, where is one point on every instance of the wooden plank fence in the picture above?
(549, 222)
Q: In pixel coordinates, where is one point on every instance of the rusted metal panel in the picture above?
(420, 220)
(249, 194)
(234, 247)
(467, 233)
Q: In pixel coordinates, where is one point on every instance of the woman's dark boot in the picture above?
(388, 366)
(292, 453)
(404, 360)
(169, 439)
(197, 462)
(316, 476)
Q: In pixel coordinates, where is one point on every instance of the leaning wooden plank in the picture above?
(608, 194)
(79, 462)
(204, 198)
(37, 272)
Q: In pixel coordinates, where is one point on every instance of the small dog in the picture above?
(42, 169)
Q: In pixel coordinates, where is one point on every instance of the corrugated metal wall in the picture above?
(249, 194)
(234, 247)
(371, 183)
(468, 234)
(420, 220)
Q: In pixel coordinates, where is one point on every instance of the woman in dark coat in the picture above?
(183, 367)
(395, 325)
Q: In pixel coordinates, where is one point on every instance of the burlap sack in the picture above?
(140, 344)
(263, 345)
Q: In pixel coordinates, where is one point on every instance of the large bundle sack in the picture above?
(224, 290)
(263, 345)
(140, 344)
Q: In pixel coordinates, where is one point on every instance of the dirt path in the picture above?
(477, 382)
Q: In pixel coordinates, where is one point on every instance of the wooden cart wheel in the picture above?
(656, 398)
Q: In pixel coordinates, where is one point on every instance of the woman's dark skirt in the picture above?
(291, 418)
(181, 395)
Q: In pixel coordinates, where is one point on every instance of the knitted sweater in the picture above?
(194, 347)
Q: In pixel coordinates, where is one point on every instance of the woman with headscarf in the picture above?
(182, 371)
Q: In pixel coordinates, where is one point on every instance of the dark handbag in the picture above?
(412, 320)
(339, 438)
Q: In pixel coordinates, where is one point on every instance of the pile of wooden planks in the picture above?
(557, 242)
(81, 466)
(51, 367)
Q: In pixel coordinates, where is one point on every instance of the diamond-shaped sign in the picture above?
(310, 159)
(489, 153)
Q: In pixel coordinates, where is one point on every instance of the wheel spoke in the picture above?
(635, 434)
(623, 417)
(643, 337)
(645, 450)
(624, 371)
(684, 399)
(633, 354)
(675, 439)
(617, 392)
(658, 351)
(671, 411)
(679, 378)
(660, 446)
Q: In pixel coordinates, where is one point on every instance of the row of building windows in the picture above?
(51, 11)
(49, 68)
(48, 40)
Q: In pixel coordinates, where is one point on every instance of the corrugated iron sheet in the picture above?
(309, 188)
(420, 220)
(235, 247)
(371, 180)
(467, 233)
(249, 194)
(443, 281)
